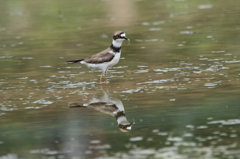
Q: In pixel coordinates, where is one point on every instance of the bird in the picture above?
(106, 58)
(107, 104)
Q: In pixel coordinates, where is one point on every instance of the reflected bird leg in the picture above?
(103, 84)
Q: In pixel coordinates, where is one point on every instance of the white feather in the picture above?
(117, 42)
(106, 65)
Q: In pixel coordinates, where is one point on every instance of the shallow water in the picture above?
(177, 81)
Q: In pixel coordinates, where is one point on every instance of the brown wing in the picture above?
(101, 57)
(107, 108)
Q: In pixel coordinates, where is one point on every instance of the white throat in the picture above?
(117, 43)
(122, 120)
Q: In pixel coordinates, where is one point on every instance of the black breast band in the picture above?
(115, 49)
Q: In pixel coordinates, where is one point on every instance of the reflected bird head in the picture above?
(125, 127)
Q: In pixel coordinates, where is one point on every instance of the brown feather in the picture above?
(101, 57)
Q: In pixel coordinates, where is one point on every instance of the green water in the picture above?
(167, 81)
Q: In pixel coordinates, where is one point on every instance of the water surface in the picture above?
(177, 82)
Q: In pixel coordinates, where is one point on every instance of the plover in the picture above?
(108, 105)
(106, 58)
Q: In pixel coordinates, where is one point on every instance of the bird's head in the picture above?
(120, 36)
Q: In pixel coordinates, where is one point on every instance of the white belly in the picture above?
(104, 66)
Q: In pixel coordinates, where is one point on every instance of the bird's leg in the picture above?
(102, 75)
(105, 79)
(105, 76)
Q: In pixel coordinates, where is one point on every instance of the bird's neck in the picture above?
(116, 45)
(121, 118)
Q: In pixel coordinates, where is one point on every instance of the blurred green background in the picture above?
(182, 108)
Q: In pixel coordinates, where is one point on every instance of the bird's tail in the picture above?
(74, 61)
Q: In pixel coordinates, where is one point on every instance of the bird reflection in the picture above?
(215, 68)
(108, 105)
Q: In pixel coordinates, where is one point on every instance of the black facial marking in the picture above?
(117, 36)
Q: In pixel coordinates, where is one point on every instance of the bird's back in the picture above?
(101, 57)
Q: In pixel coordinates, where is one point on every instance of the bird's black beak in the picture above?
(126, 38)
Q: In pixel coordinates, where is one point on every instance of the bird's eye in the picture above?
(118, 36)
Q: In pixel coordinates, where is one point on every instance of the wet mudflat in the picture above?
(176, 86)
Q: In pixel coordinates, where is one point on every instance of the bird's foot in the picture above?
(105, 79)
(103, 84)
